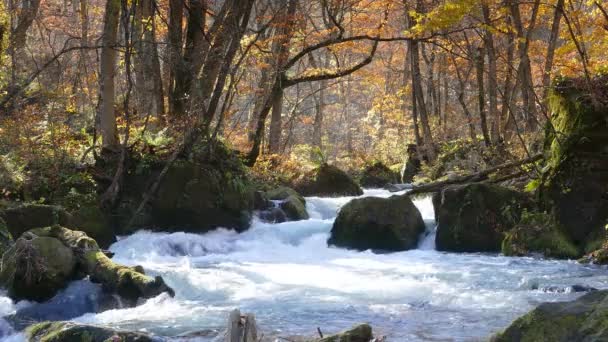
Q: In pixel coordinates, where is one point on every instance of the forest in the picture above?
(290, 170)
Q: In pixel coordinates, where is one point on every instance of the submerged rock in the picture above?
(584, 319)
(539, 233)
(327, 180)
(390, 224)
(475, 217)
(575, 180)
(377, 175)
(359, 333)
(68, 331)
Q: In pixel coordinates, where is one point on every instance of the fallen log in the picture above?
(472, 178)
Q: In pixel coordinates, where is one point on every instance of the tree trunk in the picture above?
(420, 107)
(107, 116)
(148, 80)
(557, 17)
(189, 65)
(507, 114)
(479, 63)
(525, 70)
(492, 76)
(280, 53)
(174, 49)
(274, 137)
(18, 37)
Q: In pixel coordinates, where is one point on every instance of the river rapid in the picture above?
(287, 275)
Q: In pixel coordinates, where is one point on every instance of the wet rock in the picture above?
(281, 193)
(43, 260)
(36, 268)
(260, 201)
(294, 208)
(377, 175)
(475, 217)
(387, 224)
(359, 333)
(327, 180)
(397, 187)
(273, 215)
(583, 319)
(68, 331)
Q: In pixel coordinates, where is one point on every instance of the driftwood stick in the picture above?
(475, 177)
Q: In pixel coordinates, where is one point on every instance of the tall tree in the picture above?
(148, 85)
(107, 115)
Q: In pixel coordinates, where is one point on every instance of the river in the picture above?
(287, 275)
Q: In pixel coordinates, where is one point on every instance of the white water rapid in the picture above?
(287, 275)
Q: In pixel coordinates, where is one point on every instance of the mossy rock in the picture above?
(386, 224)
(198, 194)
(475, 217)
(73, 332)
(575, 179)
(294, 208)
(585, 320)
(359, 333)
(377, 175)
(327, 180)
(36, 267)
(599, 256)
(539, 233)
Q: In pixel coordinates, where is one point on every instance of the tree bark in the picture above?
(174, 49)
(557, 17)
(492, 76)
(18, 37)
(479, 66)
(107, 115)
(148, 79)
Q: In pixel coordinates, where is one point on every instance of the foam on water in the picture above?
(287, 275)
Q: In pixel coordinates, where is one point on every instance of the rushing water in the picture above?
(288, 276)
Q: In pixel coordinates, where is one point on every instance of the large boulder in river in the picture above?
(35, 268)
(475, 217)
(377, 175)
(388, 224)
(199, 193)
(69, 331)
(584, 319)
(575, 179)
(327, 180)
(43, 260)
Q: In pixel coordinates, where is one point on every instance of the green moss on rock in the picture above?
(327, 180)
(73, 332)
(294, 208)
(575, 180)
(359, 333)
(475, 217)
(585, 319)
(391, 224)
(36, 267)
(539, 233)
